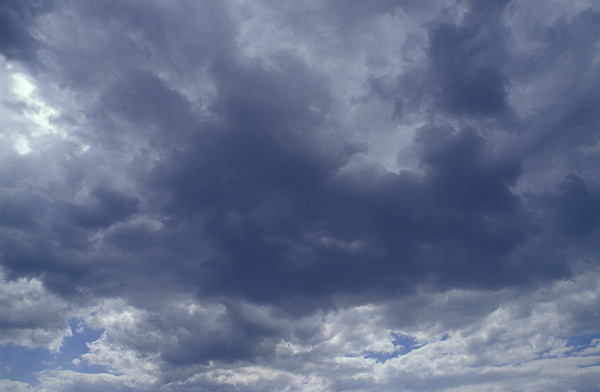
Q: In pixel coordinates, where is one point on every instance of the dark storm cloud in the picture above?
(240, 336)
(255, 192)
(565, 53)
(465, 74)
(577, 207)
(463, 175)
(572, 219)
(276, 216)
(257, 186)
(286, 224)
(16, 19)
(105, 208)
(265, 163)
(82, 196)
(467, 60)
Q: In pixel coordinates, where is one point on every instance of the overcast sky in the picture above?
(320, 195)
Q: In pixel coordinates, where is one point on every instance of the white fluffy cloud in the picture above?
(527, 337)
(30, 315)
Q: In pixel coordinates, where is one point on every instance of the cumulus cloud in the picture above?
(248, 195)
(32, 316)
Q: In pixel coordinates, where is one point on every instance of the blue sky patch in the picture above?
(578, 343)
(404, 343)
(18, 363)
(76, 345)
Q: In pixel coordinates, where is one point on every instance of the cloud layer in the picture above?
(248, 195)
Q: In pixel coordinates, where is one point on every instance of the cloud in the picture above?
(17, 40)
(318, 196)
(31, 316)
(14, 386)
(66, 380)
(463, 338)
(467, 65)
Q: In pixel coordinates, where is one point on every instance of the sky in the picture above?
(261, 195)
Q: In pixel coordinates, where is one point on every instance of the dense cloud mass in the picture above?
(254, 195)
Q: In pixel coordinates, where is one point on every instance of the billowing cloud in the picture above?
(248, 195)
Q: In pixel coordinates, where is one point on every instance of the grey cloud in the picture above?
(467, 62)
(223, 175)
(18, 209)
(577, 207)
(195, 166)
(465, 73)
(31, 315)
(106, 208)
(465, 176)
(141, 98)
(468, 84)
(72, 381)
(16, 19)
